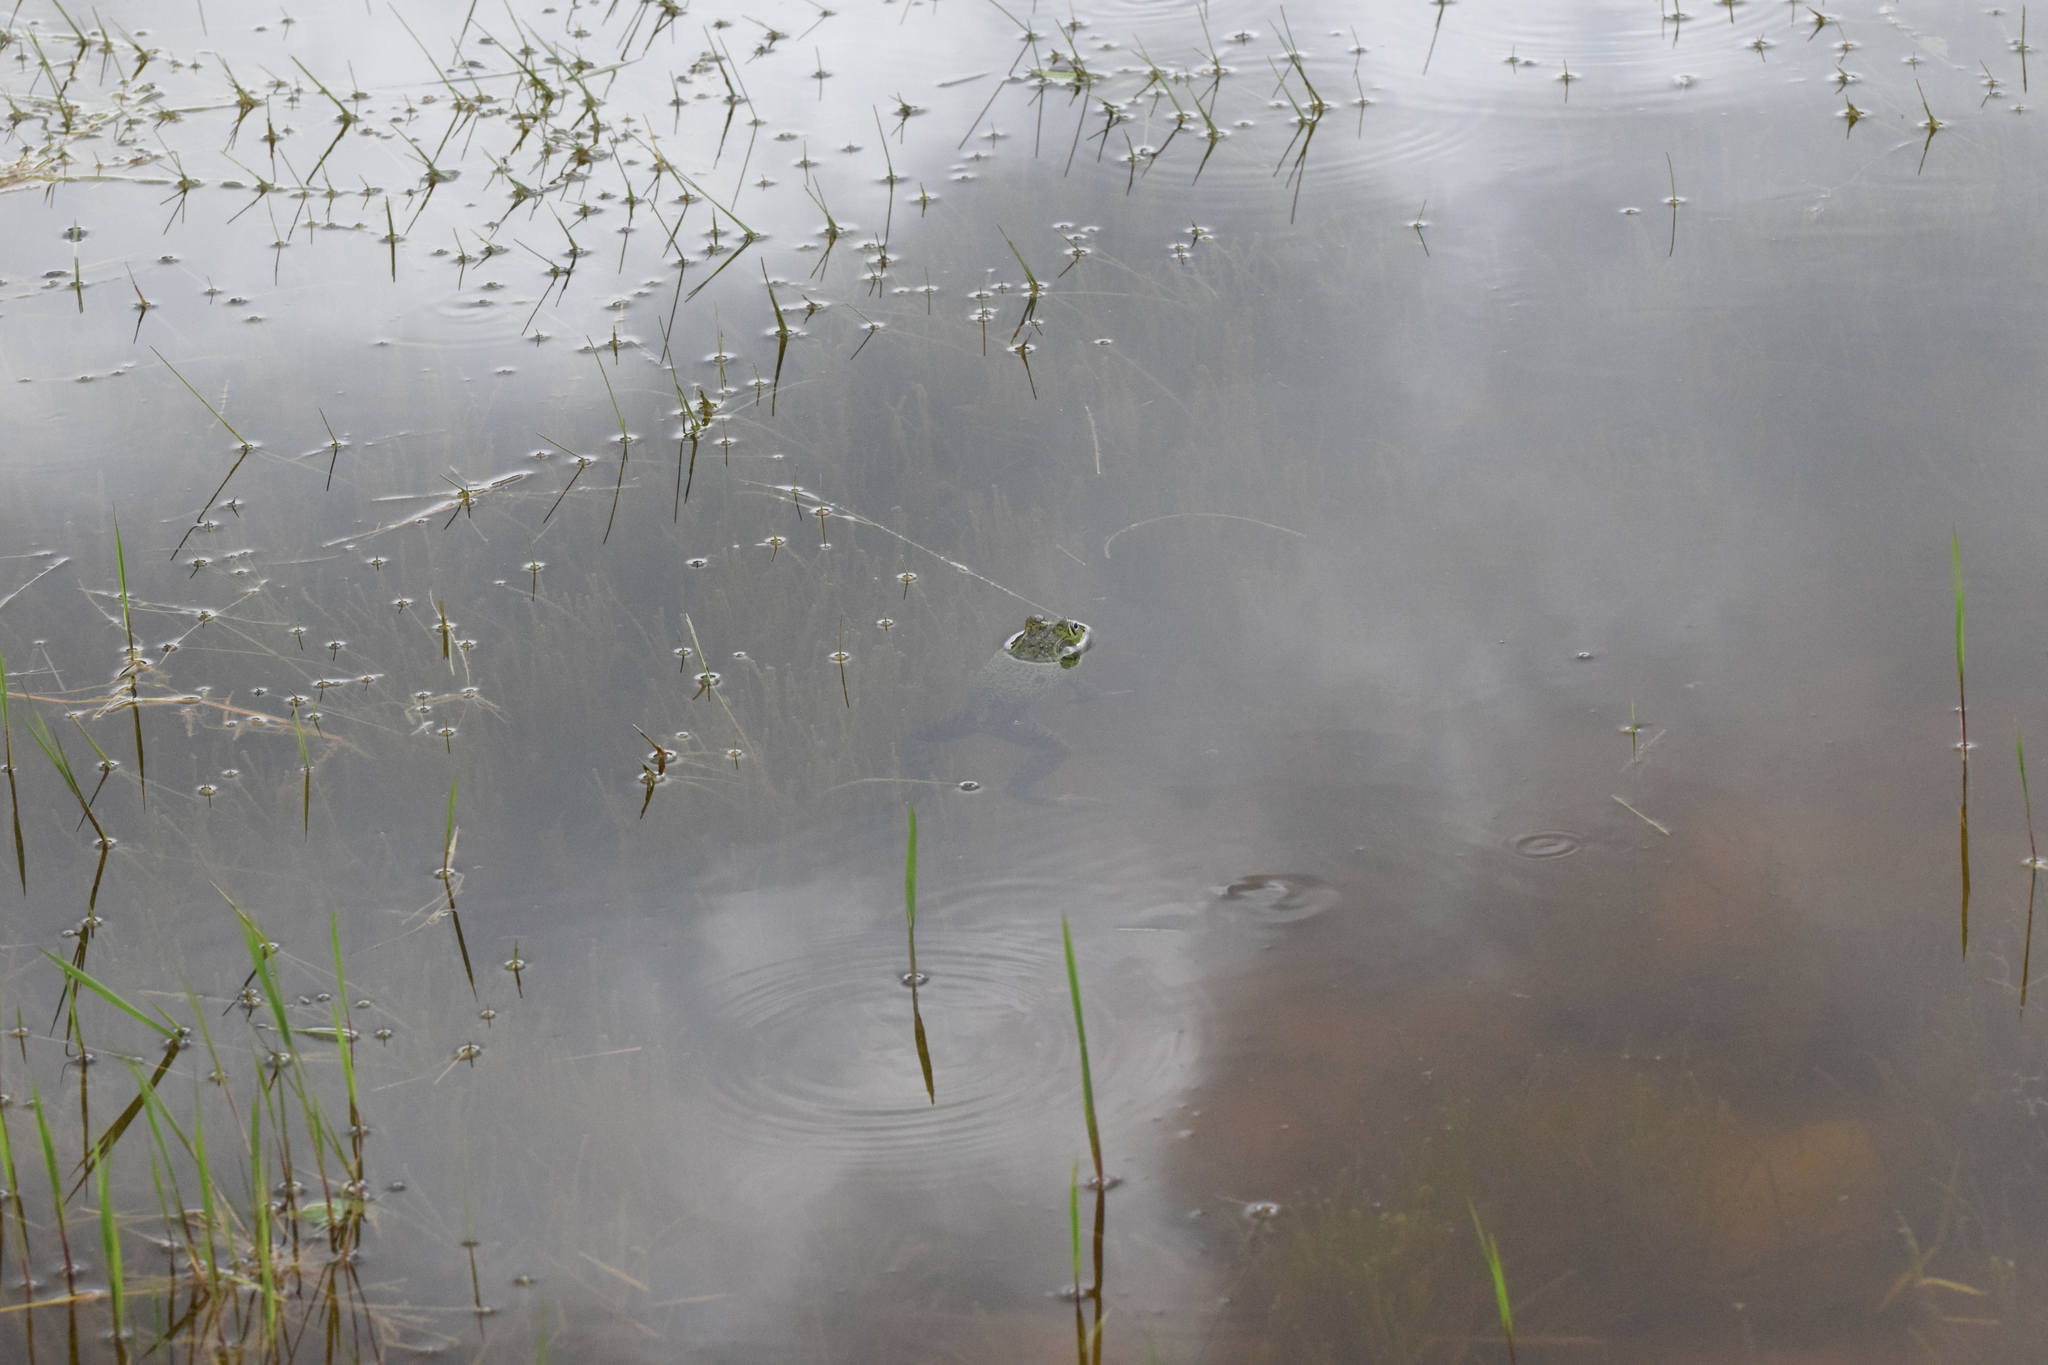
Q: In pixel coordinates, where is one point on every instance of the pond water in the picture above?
(515, 505)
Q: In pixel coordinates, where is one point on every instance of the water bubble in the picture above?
(1583, 655)
(1262, 1210)
(913, 978)
(970, 786)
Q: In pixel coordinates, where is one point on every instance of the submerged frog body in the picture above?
(1016, 675)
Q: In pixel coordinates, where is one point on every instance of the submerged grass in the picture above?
(1489, 1247)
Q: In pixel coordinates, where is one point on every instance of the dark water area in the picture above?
(1512, 791)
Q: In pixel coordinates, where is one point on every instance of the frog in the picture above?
(1026, 664)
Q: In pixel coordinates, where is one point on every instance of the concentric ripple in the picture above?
(1546, 843)
(1280, 897)
(818, 1048)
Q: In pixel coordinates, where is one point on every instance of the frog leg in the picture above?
(920, 750)
(1048, 752)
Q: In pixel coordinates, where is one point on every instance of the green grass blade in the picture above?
(910, 881)
(7, 1152)
(1074, 1223)
(258, 946)
(49, 1146)
(1490, 1248)
(348, 1064)
(110, 1248)
(259, 1207)
(1956, 550)
(13, 794)
(1081, 1034)
(207, 1208)
(82, 979)
(103, 1146)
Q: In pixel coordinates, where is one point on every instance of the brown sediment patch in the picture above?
(1629, 1085)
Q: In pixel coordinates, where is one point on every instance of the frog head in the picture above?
(1044, 642)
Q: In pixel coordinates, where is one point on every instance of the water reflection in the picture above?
(1378, 916)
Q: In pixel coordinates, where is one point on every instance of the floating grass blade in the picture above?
(1932, 124)
(448, 882)
(53, 749)
(2033, 868)
(244, 441)
(80, 978)
(783, 333)
(1081, 1034)
(13, 794)
(625, 441)
(1490, 1248)
(839, 656)
(583, 462)
(924, 1052)
(306, 779)
(1963, 716)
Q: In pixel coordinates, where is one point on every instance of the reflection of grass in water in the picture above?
(2033, 868)
(1963, 717)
